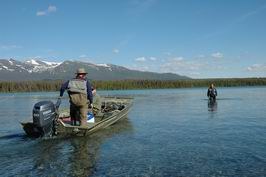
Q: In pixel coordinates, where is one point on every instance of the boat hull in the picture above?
(63, 127)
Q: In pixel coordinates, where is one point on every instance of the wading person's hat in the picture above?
(81, 71)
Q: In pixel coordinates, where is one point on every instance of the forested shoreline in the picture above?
(54, 85)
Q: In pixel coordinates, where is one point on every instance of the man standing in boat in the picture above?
(80, 96)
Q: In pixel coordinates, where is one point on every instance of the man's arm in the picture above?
(208, 93)
(89, 92)
(63, 88)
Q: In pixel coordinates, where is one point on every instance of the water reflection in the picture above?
(84, 156)
(80, 153)
(46, 156)
(212, 105)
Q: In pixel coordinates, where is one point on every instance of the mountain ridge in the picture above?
(14, 70)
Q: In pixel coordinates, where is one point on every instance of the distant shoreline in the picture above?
(54, 85)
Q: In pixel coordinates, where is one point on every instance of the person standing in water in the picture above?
(212, 92)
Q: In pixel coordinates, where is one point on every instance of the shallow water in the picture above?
(172, 132)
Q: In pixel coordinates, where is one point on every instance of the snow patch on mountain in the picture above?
(6, 68)
(40, 66)
(10, 62)
(39, 69)
(33, 62)
(54, 64)
(103, 65)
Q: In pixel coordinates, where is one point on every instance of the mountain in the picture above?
(13, 70)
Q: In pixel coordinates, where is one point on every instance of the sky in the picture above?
(199, 39)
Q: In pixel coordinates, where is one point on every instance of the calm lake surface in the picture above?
(171, 132)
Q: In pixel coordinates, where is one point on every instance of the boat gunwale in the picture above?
(64, 129)
(123, 112)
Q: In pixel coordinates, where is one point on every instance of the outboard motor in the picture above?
(44, 115)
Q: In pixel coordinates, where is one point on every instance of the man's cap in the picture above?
(81, 71)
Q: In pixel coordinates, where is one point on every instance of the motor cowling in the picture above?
(44, 114)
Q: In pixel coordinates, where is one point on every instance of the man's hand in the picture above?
(90, 106)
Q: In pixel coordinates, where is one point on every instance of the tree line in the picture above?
(54, 85)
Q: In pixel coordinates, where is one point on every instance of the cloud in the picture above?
(217, 55)
(167, 53)
(200, 56)
(139, 7)
(257, 68)
(174, 65)
(143, 59)
(139, 67)
(195, 74)
(37, 57)
(116, 51)
(198, 66)
(235, 22)
(146, 63)
(143, 4)
(177, 59)
(251, 13)
(182, 66)
(140, 59)
(83, 56)
(41, 13)
(50, 9)
(9, 47)
(153, 58)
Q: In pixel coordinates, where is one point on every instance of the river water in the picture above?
(169, 132)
